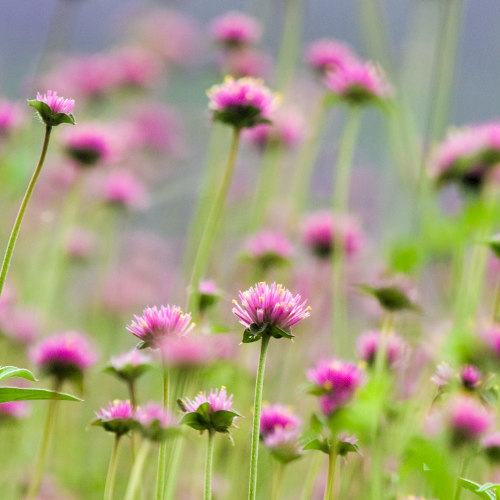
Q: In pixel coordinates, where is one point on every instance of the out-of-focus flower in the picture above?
(129, 365)
(470, 377)
(491, 446)
(52, 109)
(277, 416)
(80, 243)
(444, 373)
(346, 444)
(137, 67)
(155, 423)
(491, 336)
(20, 324)
(327, 55)
(359, 83)
(155, 325)
(242, 103)
(467, 419)
(269, 310)
(10, 116)
(117, 418)
(396, 348)
(283, 444)
(245, 62)
(235, 29)
(335, 382)
(125, 190)
(324, 232)
(13, 410)
(269, 249)
(209, 294)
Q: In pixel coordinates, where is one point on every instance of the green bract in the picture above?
(203, 419)
(390, 298)
(256, 332)
(48, 117)
(240, 116)
(118, 426)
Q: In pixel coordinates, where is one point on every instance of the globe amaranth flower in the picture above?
(269, 310)
(154, 325)
(491, 446)
(335, 382)
(244, 62)
(235, 29)
(52, 109)
(155, 422)
(470, 377)
(277, 416)
(125, 190)
(64, 356)
(212, 413)
(130, 365)
(13, 410)
(10, 117)
(358, 83)
(209, 294)
(268, 249)
(444, 373)
(242, 103)
(346, 444)
(396, 348)
(117, 418)
(327, 55)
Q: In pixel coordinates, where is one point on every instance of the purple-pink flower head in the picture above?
(491, 446)
(117, 418)
(14, 410)
(338, 379)
(80, 243)
(283, 444)
(491, 336)
(88, 144)
(324, 232)
(124, 190)
(327, 55)
(130, 365)
(209, 294)
(242, 103)
(277, 417)
(269, 306)
(245, 62)
(188, 352)
(470, 377)
(154, 325)
(217, 401)
(10, 116)
(444, 373)
(396, 348)
(56, 104)
(269, 249)
(64, 356)
(359, 83)
(20, 324)
(155, 421)
(467, 418)
(235, 29)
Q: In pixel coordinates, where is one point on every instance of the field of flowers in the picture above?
(218, 296)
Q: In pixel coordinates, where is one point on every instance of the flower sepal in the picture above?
(117, 426)
(203, 419)
(241, 116)
(144, 345)
(48, 117)
(256, 332)
(128, 372)
(320, 443)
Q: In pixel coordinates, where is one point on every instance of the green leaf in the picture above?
(195, 420)
(59, 118)
(316, 424)
(248, 337)
(390, 298)
(277, 333)
(489, 486)
(11, 371)
(20, 394)
(317, 444)
(475, 488)
(223, 419)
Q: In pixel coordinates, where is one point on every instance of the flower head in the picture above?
(491, 446)
(467, 419)
(155, 325)
(444, 373)
(88, 144)
(209, 294)
(235, 29)
(283, 444)
(155, 422)
(124, 190)
(269, 310)
(269, 249)
(327, 55)
(13, 410)
(470, 377)
(10, 116)
(277, 416)
(242, 103)
(129, 365)
(396, 348)
(117, 418)
(52, 109)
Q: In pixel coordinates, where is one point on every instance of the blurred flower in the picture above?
(20, 324)
(235, 29)
(156, 423)
(209, 294)
(189, 352)
(125, 190)
(324, 231)
(467, 419)
(283, 444)
(129, 365)
(327, 55)
(137, 67)
(80, 243)
(245, 62)
(396, 348)
(335, 382)
(269, 249)
(155, 325)
(444, 373)
(491, 336)
(277, 416)
(10, 116)
(470, 377)
(13, 410)
(491, 446)
(241, 103)
(346, 444)
(52, 109)
(118, 418)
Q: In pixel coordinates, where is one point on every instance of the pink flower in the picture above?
(156, 422)
(10, 116)
(277, 417)
(491, 446)
(444, 373)
(20, 324)
(137, 67)
(235, 29)
(358, 83)
(125, 190)
(245, 62)
(269, 248)
(273, 305)
(339, 380)
(327, 55)
(81, 243)
(491, 335)
(64, 356)
(467, 419)
(14, 410)
(188, 352)
(396, 348)
(129, 365)
(470, 377)
(217, 401)
(57, 104)
(117, 418)
(155, 325)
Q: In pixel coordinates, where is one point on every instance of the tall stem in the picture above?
(110, 479)
(208, 236)
(311, 476)
(278, 480)
(496, 307)
(330, 483)
(259, 385)
(39, 469)
(17, 224)
(162, 456)
(208, 466)
(135, 476)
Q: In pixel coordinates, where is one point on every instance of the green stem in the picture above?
(162, 456)
(496, 308)
(135, 475)
(311, 476)
(330, 483)
(110, 479)
(39, 469)
(259, 385)
(278, 480)
(17, 224)
(462, 473)
(209, 465)
(173, 470)
(208, 236)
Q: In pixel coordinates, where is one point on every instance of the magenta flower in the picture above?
(327, 55)
(245, 62)
(155, 325)
(155, 422)
(125, 190)
(444, 373)
(137, 68)
(235, 29)
(20, 324)
(269, 310)
(396, 348)
(52, 109)
(117, 418)
(283, 444)
(467, 419)
(10, 116)
(64, 356)
(216, 400)
(188, 352)
(88, 144)
(57, 104)
(491, 336)
(277, 417)
(359, 83)
(14, 410)
(335, 381)
(470, 377)
(242, 103)
(129, 365)
(209, 294)
(491, 446)
(269, 249)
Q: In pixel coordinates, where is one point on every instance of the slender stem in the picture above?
(135, 475)
(162, 456)
(208, 236)
(173, 470)
(330, 483)
(133, 393)
(259, 385)
(278, 480)
(209, 465)
(17, 224)
(39, 469)
(110, 479)
(496, 307)
(462, 473)
(311, 476)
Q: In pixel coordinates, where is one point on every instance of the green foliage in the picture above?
(256, 332)
(21, 394)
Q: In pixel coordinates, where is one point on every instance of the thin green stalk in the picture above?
(162, 456)
(209, 465)
(110, 479)
(278, 480)
(17, 224)
(135, 476)
(133, 393)
(496, 307)
(39, 468)
(259, 385)
(173, 470)
(311, 476)
(462, 473)
(330, 483)
(207, 238)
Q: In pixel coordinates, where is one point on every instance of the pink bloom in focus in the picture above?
(14, 410)
(10, 116)
(327, 55)
(269, 248)
(396, 349)
(470, 377)
(64, 356)
(117, 418)
(217, 401)
(358, 83)
(277, 417)
(57, 104)
(125, 190)
(155, 325)
(273, 305)
(339, 379)
(235, 29)
(467, 419)
(444, 373)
